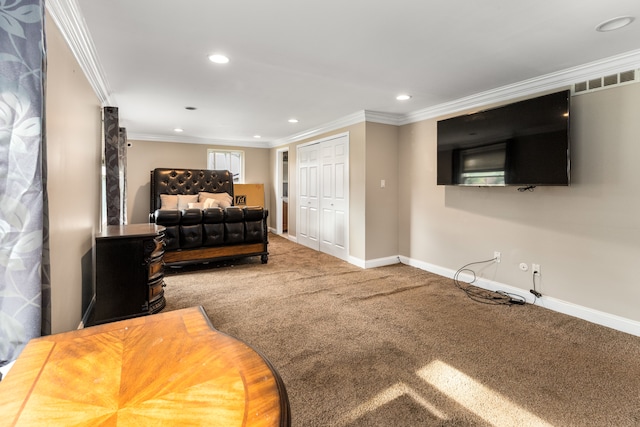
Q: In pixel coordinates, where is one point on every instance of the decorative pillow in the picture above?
(169, 202)
(210, 203)
(224, 199)
(223, 204)
(196, 206)
(184, 200)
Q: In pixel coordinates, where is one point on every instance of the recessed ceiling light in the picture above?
(403, 97)
(218, 59)
(178, 130)
(293, 120)
(615, 23)
(257, 136)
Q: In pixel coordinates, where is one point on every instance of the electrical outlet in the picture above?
(496, 256)
(535, 268)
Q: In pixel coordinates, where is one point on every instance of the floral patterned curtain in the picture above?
(23, 203)
(115, 156)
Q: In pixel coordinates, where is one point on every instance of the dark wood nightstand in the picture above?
(129, 273)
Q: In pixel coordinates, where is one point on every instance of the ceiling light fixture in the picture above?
(293, 120)
(178, 130)
(615, 23)
(403, 97)
(257, 136)
(218, 59)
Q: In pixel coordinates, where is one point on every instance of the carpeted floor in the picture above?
(398, 346)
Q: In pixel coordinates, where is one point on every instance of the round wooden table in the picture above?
(167, 369)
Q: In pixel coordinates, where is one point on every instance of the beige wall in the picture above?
(586, 237)
(144, 156)
(381, 216)
(73, 129)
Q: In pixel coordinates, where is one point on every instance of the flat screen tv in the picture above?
(524, 144)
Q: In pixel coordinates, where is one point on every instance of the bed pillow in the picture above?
(196, 206)
(223, 204)
(224, 199)
(168, 202)
(184, 200)
(210, 203)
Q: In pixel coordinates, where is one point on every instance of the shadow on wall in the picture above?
(140, 208)
(88, 288)
(566, 210)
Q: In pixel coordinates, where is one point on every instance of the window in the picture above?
(227, 160)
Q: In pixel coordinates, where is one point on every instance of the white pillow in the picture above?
(210, 203)
(224, 198)
(184, 200)
(168, 201)
(223, 204)
(196, 206)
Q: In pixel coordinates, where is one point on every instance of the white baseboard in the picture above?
(357, 262)
(285, 235)
(379, 262)
(585, 313)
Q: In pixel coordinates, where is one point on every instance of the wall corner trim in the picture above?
(67, 16)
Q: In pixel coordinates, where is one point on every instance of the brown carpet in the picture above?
(398, 346)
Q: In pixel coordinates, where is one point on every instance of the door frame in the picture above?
(279, 194)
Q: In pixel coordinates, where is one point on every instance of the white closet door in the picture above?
(333, 200)
(323, 200)
(309, 175)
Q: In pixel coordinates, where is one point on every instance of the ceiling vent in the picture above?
(606, 82)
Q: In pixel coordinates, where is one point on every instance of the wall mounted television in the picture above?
(523, 144)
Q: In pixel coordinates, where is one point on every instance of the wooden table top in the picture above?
(167, 369)
(130, 230)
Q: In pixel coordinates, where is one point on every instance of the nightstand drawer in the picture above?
(156, 289)
(156, 268)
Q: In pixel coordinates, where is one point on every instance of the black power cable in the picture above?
(534, 291)
(527, 188)
(485, 296)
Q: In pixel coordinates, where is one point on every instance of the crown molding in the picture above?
(384, 118)
(196, 140)
(548, 82)
(67, 16)
(351, 119)
(553, 81)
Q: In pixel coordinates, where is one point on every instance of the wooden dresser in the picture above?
(129, 272)
(168, 369)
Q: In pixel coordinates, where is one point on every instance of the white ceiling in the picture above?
(321, 61)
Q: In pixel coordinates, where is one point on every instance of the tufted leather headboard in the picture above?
(187, 181)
